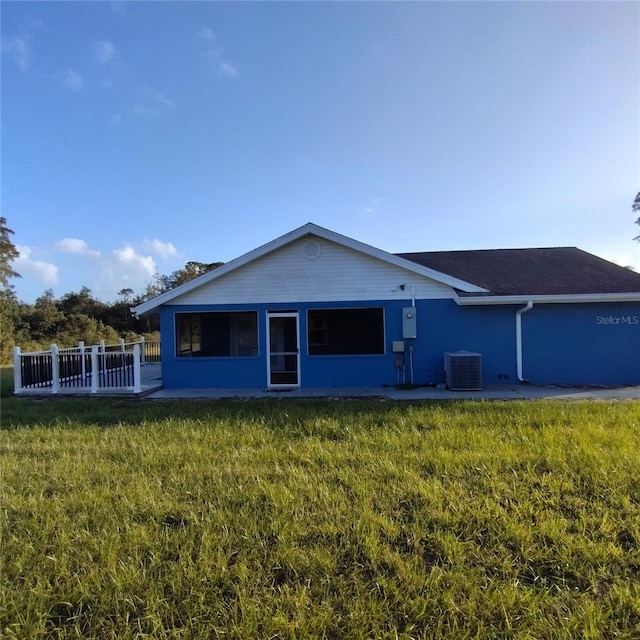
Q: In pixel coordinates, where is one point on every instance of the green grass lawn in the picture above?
(319, 519)
(6, 380)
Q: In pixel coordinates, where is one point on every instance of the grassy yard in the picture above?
(6, 380)
(319, 519)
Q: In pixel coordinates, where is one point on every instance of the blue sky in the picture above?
(138, 136)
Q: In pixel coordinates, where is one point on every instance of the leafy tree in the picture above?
(82, 302)
(44, 319)
(10, 319)
(635, 207)
(8, 253)
(78, 326)
(190, 271)
(153, 289)
(118, 315)
(125, 294)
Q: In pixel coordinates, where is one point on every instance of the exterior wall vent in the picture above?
(311, 250)
(463, 370)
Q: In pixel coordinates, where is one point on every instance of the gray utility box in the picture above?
(463, 370)
(409, 323)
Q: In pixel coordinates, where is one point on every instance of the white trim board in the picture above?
(573, 298)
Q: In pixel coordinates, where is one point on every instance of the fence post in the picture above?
(123, 355)
(83, 365)
(17, 370)
(95, 371)
(137, 382)
(102, 346)
(143, 352)
(55, 369)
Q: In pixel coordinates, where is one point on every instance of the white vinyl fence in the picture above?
(94, 369)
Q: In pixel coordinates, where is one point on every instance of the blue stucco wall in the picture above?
(582, 344)
(561, 344)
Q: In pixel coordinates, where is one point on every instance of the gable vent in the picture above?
(311, 250)
(463, 370)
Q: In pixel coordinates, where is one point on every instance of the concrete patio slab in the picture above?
(151, 388)
(498, 392)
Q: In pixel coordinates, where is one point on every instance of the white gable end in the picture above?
(313, 269)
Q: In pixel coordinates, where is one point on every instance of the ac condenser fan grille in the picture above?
(463, 370)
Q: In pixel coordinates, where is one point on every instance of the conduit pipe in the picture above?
(519, 313)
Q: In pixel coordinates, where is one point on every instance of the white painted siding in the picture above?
(339, 273)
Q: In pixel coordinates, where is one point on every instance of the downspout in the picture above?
(413, 304)
(519, 313)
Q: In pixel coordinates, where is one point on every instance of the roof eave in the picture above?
(390, 258)
(573, 298)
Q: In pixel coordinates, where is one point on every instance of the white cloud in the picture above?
(143, 111)
(152, 103)
(208, 46)
(19, 49)
(76, 245)
(104, 52)
(373, 206)
(228, 70)
(121, 269)
(127, 256)
(161, 99)
(132, 265)
(211, 51)
(110, 63)
(165, 250)
(26, 266)
(73, 80)
(206, 35)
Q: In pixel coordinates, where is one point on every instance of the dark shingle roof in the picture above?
(552, 271)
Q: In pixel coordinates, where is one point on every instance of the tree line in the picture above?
(76, 316)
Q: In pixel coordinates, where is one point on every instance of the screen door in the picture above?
(284, 355)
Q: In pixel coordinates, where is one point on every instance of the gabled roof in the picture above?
(557, 271)
(320, 232)
(488, 276)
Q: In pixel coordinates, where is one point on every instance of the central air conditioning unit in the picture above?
(463, 370)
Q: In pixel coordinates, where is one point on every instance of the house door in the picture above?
(283, 361)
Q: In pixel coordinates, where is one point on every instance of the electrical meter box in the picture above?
(409, 323)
